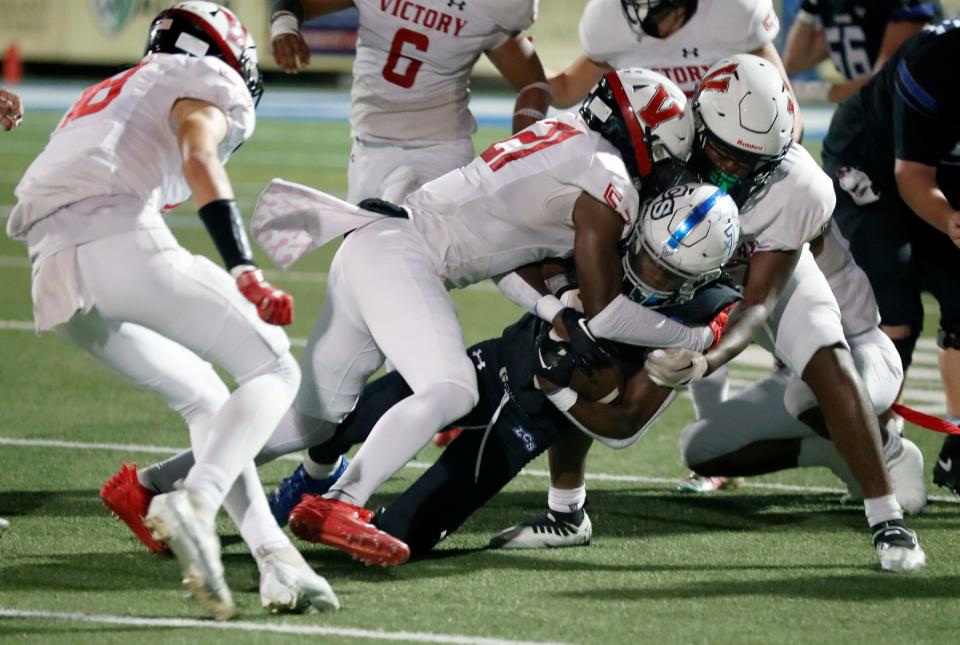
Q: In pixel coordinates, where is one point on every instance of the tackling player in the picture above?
(786, 427)
(745, 120)
(409, 117)
(109, 277)
(893, 150)
(524, 372)
(858, 35)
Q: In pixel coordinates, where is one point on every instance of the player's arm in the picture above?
(918, 187)
(806, 44)
(618, 422)
(11, 110)
(572, 84)
(201, 126)
(290, 51)
(519, 64)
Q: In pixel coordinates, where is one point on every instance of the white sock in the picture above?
(240, 429)
(320, 471)
(882, 509)
(398, 436)
(248, 508)
(567, 501)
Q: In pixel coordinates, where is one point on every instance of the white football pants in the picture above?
(157, 312)
(393, 172)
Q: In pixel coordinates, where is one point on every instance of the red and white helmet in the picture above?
(200, 28)
(744, 109)
(684, 236)
(644, 115)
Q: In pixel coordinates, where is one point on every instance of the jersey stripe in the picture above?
(698, 215)
(911, 91)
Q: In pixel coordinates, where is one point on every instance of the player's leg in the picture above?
(807, 335)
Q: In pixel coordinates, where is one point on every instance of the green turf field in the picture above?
(777, 561)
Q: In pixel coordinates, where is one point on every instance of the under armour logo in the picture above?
(459, 5)
(477, 356)
(695, 52)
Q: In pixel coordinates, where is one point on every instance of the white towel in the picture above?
(290, 220)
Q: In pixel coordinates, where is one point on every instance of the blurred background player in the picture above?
(745, 119)
(109, 277)
(518, 418)
(410, 119)
(11, 114)
(859, 36)
(893, 151)
(785, 427)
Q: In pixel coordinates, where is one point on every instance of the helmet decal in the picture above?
(635, 130)
(654, 113)
(698, 215)
(719, 79)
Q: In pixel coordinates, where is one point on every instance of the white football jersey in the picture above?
(118, 139)
(790, 210)
(513, 204)
(411, 75)
(719, 28)
(850, 285)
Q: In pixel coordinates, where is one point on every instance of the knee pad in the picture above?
(948, 334)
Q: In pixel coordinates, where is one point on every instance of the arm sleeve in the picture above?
(518, 291)
(625, 321)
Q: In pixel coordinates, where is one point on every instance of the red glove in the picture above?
(719, 323)
(273, 305)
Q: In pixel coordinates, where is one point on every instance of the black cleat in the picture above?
(552, 530)
(898, 547)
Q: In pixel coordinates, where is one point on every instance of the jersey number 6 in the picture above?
(403, 37)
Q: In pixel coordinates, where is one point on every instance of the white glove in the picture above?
(675, 366)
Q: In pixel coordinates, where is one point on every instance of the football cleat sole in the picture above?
(346, 527)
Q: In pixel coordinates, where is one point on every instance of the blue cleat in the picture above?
(293, 488)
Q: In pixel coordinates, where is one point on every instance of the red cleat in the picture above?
(446, 437)
(346, 527)
(128, 499)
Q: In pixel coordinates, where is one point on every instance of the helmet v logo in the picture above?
(660, 108)
(719, 79)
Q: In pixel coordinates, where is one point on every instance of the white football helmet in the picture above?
(200, 28)
(743, 109)
(644, 115)
(642, 15)
(684, 236)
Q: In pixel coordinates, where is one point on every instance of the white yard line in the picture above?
(270, 628)
(421, 465)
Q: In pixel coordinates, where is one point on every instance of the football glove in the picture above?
(675, 366)
(273, 305)
(719, 323)
(583, 345)
(555, 363)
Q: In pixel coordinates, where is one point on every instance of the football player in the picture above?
(11, 110)
(680, 39)
(523, 374)
(859, 36)
(409, 117)
(786, 427)
(563, 187)
(892, 151)
(745, 120)
(109, 277)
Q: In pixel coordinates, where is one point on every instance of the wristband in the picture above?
(223, 222)
(531, 112)
(293, 7)
(805, 17)
(539, 85)
(283, 23)
(547, 308)
(563, 399)
(240, 269)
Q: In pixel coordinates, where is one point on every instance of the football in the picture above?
(604, 385)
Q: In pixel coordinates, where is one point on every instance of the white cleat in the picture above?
(288, 584)
(898, 547)
(4, 525)
(550, 531)
(185, 522)
(905, 466)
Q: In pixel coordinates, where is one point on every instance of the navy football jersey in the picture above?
(854, 28)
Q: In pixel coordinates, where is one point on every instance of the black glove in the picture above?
(554, 360)
(584, 346)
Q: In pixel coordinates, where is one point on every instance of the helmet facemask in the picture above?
(642, 15)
